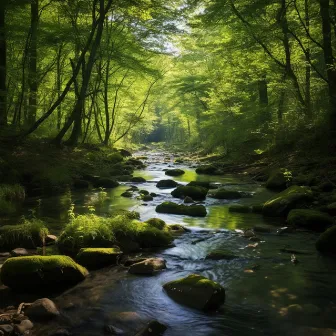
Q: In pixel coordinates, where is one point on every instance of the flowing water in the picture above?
(266, 294)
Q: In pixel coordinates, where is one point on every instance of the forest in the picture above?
(167, 167)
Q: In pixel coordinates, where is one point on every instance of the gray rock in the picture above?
(19, 252)
(42, 309)
(148, 267)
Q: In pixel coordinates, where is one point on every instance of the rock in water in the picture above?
(162, 184)
(94, 258)
(42, 309)
(173, 208)
(174, 172)
(148, 267)
(41, 272)
(196, 193)
(154, 328)
(326, 243)
(197, 292)
(277, 180)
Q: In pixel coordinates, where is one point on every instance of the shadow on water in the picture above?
(265, 293)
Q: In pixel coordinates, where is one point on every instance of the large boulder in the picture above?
(310, 219)
(223, 193)
(33, 273)
(94, 258)
(196, 291)
(203, 184)
(105, 182)
(207, 170)
(42, 310)
(174, 172)
(166, 184)
(220, 254)
(157, 223)
(138, 179)
(148, 267)
(177, 209)
(277, 180)
(281, 204)
(196, 193)
(326, 243)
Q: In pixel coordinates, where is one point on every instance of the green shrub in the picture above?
(12, 193)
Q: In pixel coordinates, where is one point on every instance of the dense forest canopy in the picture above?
(215, 74)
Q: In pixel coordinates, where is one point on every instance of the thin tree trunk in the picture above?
(59, 85)
(308, 66)
(3, 68)
(32, 68)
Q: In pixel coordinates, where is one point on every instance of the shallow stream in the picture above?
(266, 294)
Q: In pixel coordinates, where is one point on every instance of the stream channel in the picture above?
(266, 294)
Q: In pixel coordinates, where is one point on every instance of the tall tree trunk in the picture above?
(308, 66)
(59, 85)
(32, 67)
(3, 67)
(329, 60)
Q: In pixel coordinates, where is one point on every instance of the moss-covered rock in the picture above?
(135, 163)
(203, 184)
(94, 258)
(138, 179)
(147, 198)
(166, 184)
(239, 208)
(326, 243)
(114, 157)
(144, 192)
(173, 208)
(311, 219)
(294, 197)
(105, 182)
(177, 229)
(207, 170)
(223, 193)
(157, 223)
(197, 292)
(127, 194)
(277, 180)
(220, 254)
(196, 193)
(174, 172)
(30, 234)
(34, 273)
(148, 267)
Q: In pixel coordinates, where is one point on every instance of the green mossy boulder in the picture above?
(326, 243)
(310, 219)
(197, 292)
(106, 183)
(178, 229)
(157, 223)
(294, 197)
(220, 254)
(26, 235)
(202, 184)
(239, 208)
(135, 163)
(144, 192)
(114, 158)
(147, 198)
(223, 193)
(127, 194)
(166, 184)
(176, 209)
(196, 193)
(138, 179)
(174, 172)
(35, 273)
(207, 170)
(277, 180)
(94, 258)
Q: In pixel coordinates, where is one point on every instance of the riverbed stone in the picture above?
(153, 328)
(220, 254)
(196, 193)
(94, 258)
(138, 179)
(178, 229)
(294, 197)
(197, 292)
(203, 184)
(41, 272)
(207, 170)
(157, 223)
(174, 172)
(148, 267)
(147, 198)
(310, 219)
(223, 193)
(177, 209)
(166, 184)
(188, 200)
(19, 252)
(24, 327)
(277, 180)
(326, 243)
(42, 310)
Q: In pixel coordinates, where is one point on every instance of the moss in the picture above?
(326, 243)
(166, 184)
(174, 172)
(106, 183)
(93, 258)
(173, 208)
(202, 184)
(196, 193)
(177, 229)
(310, 219)
(138, 179)
(277, 180)
(157, 223)
(196, 291)
(38, 272)
(207, 170)
(127, 194)
(292, 198)
(220, 255)
(29, 234)
(225, 194)
(115, 157)
(239, 208)
(48, 250)
(126, 213)
(144, 192)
